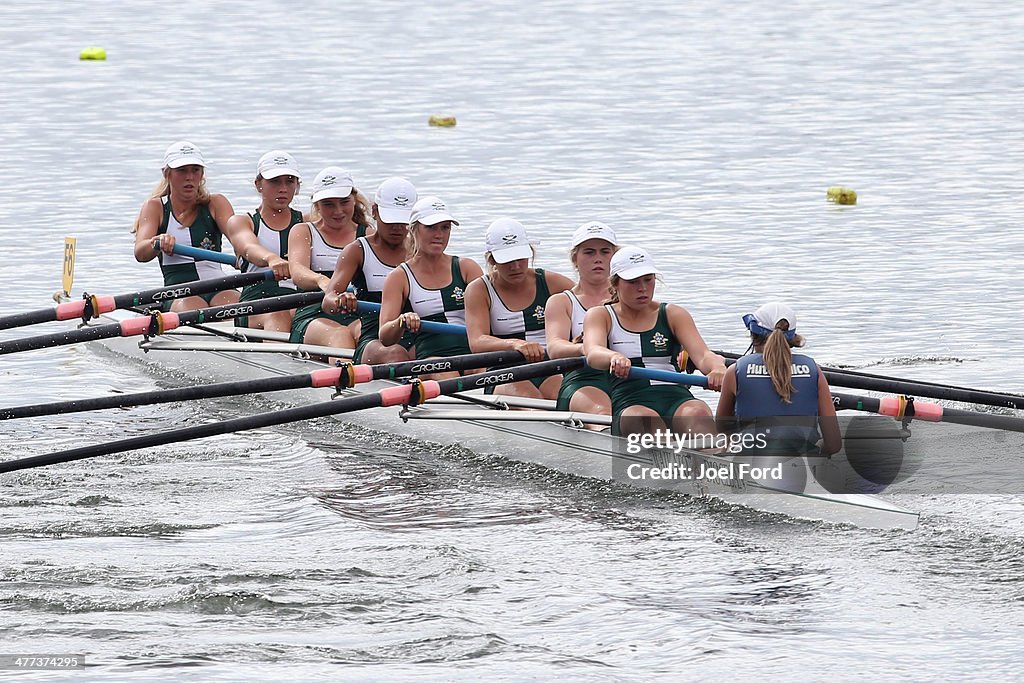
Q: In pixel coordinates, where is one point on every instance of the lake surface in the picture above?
(707, 133)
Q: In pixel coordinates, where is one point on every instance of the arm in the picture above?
(239, 231)
(831, 436)
(470, 269)
(300, 247)
(558, 326)
(685, 330)
(596, 325)
(727, 401)
(350, 260)
(557, 282)
(150, 216)
(396, 291)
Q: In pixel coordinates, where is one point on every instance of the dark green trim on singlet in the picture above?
(204, 234)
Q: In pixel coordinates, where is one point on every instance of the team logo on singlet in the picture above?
(458, 294)
(207, 243)
(659, 340)
(538, 314)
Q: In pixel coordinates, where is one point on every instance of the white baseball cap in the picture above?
(395, 198)
(507, 241)
(183, 153)
(763, 321)
(629, 263)
(277, 163)
(333, 181)
(431, 211)
(593, 230)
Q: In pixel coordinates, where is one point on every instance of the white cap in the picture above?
(763, 321)
(183, 153)
(507, 241)
(333, 181)
(395, 198)
(431, 211)
(629, 263)
(277, 163)
(593, 230)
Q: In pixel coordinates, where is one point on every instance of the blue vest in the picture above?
(761, 410)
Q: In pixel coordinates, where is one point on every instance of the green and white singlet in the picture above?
(526, 324)
(654, 348)
(445, 305)
(277, 242)
(202, 234)
(579, 378)
(369, 285)
(323, 258)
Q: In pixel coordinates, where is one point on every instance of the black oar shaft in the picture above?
(871, 404)
(391, 396)
(87, 307)
(139, 325)
(270, 384)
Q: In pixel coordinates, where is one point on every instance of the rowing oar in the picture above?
(158, 323)
(92, 306)
(338, 377)
(900, 407)
(202, 254)
(415, 393)
(894, 385)
(426, 325)
(668, 376)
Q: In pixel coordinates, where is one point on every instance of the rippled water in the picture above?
(707, 132)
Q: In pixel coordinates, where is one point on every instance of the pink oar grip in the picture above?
(330, 376)
(139, 326)
(929, 412)
(395, 396)
(71, 309)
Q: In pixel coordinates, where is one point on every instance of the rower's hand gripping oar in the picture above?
(157, 323)
(202, 254)
(392, 396)
(341, 377)
(92, 306)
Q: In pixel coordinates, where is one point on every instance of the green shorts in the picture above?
(307, 314)
(406, 342)
(664, 399)
(575, 380)
(262, 290)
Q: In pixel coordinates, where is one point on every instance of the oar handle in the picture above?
(668, 376)
(425, 325)
(203, 254)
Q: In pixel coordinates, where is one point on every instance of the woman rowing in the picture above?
(181, 210)
(584, 390)
(277, 181)
(777, 394)
(338, 217)
(430, 285)
(505, 308)
(366, 264)
(633, 329)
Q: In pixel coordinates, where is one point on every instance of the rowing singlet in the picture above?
(654, 348)
(585, 376)
(757, 400)
(202, 234)
(527, 323)
(274, 240)
(445, 305)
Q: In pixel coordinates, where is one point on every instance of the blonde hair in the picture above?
(778, 359)
(360, 214)
(163, 189)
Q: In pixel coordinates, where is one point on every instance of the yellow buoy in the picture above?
(93, 53)
(842, 195)
(441, 121)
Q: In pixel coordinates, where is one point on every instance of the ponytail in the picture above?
(778, 359)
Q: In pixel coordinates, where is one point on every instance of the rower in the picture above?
(505, 308)
(635, 329)
(430, 285)
(771, 389)
(367, 262)
(277, 181)
(584, 390)
(338, 216)
(181, 210)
